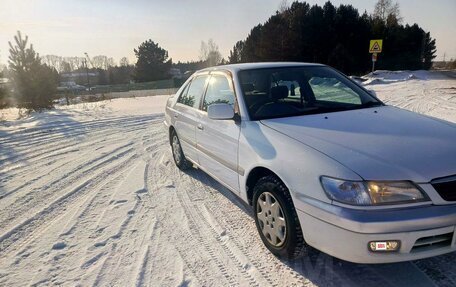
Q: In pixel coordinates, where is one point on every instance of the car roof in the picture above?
(260, 65)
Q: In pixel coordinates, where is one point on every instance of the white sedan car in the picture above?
(321, 160)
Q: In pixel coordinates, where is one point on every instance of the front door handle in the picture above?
(176, 116)
(200, 127)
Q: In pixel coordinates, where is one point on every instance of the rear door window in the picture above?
(192, 97)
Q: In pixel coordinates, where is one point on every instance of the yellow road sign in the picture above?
(375, 46)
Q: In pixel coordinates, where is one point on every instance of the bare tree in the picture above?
(209, 53)
(52, 61)
(283, 6)
(102, 62)
(65, 67)
(124, 62)
(110, 63)
(388, 12)
(69, 65)
(99, 61)
(78, 62)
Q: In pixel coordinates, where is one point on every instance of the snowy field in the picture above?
(89, 195)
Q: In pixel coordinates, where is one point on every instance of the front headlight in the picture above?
(371, 192)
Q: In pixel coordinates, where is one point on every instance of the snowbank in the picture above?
(388, 77)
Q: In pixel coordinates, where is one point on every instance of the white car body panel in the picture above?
(185, 121)
(217, 142)
(381, 143)
(264, 147)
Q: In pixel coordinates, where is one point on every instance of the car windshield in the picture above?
(293, 91)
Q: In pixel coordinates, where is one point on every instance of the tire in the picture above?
(278, 226)
(178, 155)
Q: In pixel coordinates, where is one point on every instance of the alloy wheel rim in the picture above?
(271, 219)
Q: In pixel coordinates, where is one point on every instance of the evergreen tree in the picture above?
(152, 64)
(236, 54)
(34, 83)
(429, 50)
(338, 37)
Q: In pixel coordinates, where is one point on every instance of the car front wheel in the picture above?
(276, 218)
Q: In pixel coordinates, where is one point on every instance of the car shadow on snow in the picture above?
(324, 270)
(204, 178)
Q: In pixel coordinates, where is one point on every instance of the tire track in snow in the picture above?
(32, 200)
(78, 223)
(203, 233)
(19, 232)
(55, 149)
(32, 136)
(68, 140)
(195, 260)
(132, 239)
(47, 168)
(99, 160)
(241, 255)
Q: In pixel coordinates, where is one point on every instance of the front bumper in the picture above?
(345, 233)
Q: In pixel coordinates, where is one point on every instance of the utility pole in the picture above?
(91, 63)
(87, 73)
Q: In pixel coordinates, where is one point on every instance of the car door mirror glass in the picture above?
(220, 112)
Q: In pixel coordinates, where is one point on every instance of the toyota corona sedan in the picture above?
(322, 161)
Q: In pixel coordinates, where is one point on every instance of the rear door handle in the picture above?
(200, 127)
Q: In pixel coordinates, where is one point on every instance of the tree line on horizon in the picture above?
(337, 36)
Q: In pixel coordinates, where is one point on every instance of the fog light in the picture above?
(384, 246)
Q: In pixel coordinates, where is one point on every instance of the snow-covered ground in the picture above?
(89, 195)
(431, 93)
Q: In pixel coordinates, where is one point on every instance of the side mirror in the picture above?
(372, 92)
(220, 112)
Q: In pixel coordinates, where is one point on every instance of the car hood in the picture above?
(381, 143)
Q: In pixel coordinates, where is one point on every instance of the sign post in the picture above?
(374, 59)
(375, 47)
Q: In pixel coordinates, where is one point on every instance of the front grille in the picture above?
(446, 187)
(432, 242)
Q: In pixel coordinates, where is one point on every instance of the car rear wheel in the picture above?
(276, 218)
(178, 155)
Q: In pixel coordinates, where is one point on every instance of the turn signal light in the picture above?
(384, 246)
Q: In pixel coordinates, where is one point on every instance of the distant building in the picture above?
(79, 78)
(70, 86)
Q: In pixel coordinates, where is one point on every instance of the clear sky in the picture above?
(114, 28)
